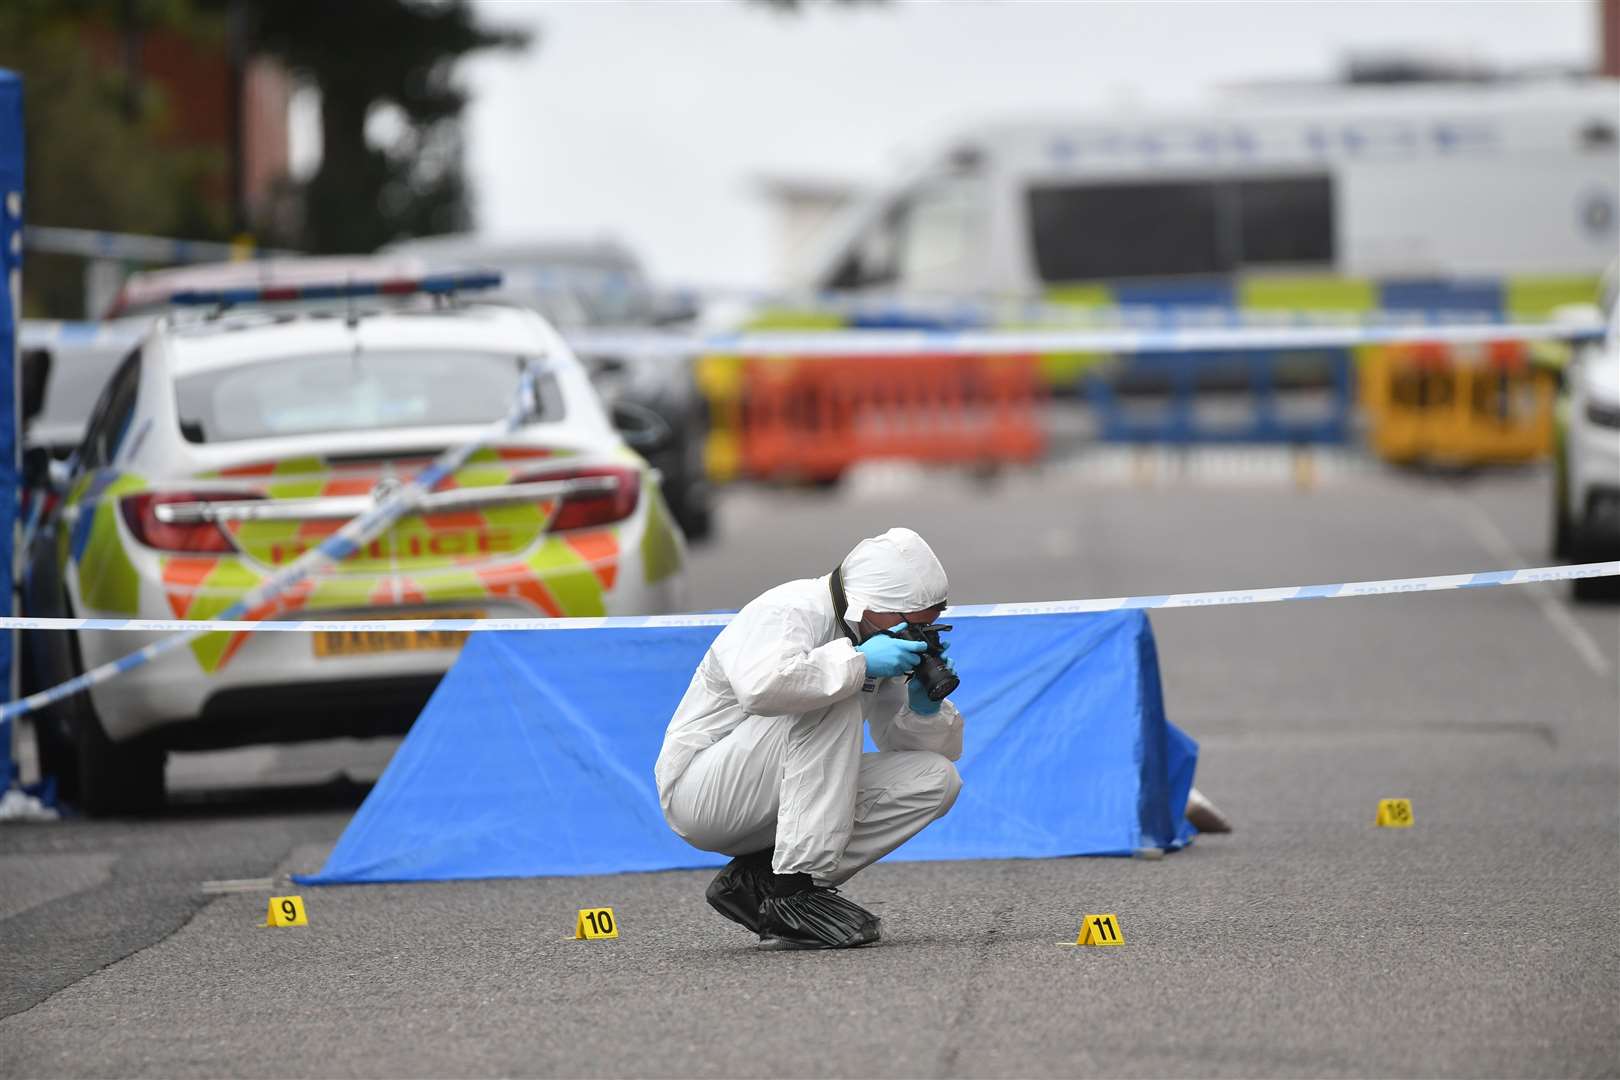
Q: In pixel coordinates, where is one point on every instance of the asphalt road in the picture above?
(1484, 941)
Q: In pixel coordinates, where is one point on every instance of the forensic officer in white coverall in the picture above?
(763, 759)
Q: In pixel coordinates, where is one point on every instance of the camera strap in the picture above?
(840, 603)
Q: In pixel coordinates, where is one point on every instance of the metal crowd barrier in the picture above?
(1249, 383)
(812, 420)
(1429, 403)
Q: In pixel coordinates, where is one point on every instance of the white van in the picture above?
(1262, 202)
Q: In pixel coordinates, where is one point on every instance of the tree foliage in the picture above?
(366, 55)
(96, 148)
(90, 158)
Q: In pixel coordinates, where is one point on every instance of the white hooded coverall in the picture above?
(766, 746)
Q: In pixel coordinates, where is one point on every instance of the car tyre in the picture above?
(686, 481)
(117, 779)
(53, 739)
(1595, 588)
(694, 511)
(1563, 527)
(111, 779)
(1585, 590)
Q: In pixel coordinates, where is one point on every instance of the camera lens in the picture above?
(938, 680)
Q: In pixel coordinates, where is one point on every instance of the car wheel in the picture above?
(115, 779)
(1594, 588)
(112, 779)
(53, 740)
(1563, 529)
(1562, 533)
(686, 487)
(693, 511)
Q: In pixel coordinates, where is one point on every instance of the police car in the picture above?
(232, 441)
(1586, 499)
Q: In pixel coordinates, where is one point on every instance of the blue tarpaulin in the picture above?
(535, 757)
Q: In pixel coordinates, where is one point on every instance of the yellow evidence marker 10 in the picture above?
(595, 923)
(1394, 814)
(286, 911)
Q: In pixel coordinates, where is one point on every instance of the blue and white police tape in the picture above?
(1156, 339)
(188, 630)
(135, 247)
(1166, 337)
(117, 335)
(958, 310)
(354, 535)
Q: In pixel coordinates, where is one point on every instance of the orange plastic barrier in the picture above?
(1434, 403)
(812, 419)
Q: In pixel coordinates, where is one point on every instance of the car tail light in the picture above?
(590, 508)
(201, 537)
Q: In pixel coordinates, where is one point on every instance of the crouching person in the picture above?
(763, 759)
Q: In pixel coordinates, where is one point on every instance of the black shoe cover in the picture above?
(738, 888)
(815, 919)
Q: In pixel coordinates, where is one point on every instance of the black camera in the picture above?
(937, 679)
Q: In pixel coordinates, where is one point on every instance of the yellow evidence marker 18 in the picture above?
(286, 911)
(594, 923)
(1394, 814)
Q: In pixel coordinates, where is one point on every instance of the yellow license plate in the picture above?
(370, 642)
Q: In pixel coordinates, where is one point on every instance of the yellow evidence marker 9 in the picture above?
(1394, 814)
(594, 923)
(286, 911)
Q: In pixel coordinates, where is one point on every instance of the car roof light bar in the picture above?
(430, 285)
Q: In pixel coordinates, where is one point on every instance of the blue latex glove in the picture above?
(918, 698)
(887, 656)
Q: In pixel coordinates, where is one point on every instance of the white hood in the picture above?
(895, 572)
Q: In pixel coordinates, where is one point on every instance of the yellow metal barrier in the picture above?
(1442, 405)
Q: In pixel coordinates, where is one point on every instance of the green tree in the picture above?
(364, 55)
(90, 138)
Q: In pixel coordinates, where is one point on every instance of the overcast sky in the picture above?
(653, 119)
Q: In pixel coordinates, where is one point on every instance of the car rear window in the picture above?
(361, 391)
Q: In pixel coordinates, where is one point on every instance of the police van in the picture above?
(1496, 198)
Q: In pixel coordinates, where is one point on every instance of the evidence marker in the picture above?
(1097, 930)
(285, 911)
(594, 924)
(1394, 814)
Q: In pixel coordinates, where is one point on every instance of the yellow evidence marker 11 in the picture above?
(1394, 814)
(285, 911)
(1099, 930)
(595, 923)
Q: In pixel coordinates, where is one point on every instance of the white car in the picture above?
(1586, 511)
(227, 445)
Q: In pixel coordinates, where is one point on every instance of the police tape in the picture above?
(115, 335)
(354, 535)
(1225, 598)
(135, 247)
(868, 310)
(184, 631)
(1125, 339)
(1161, 335)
